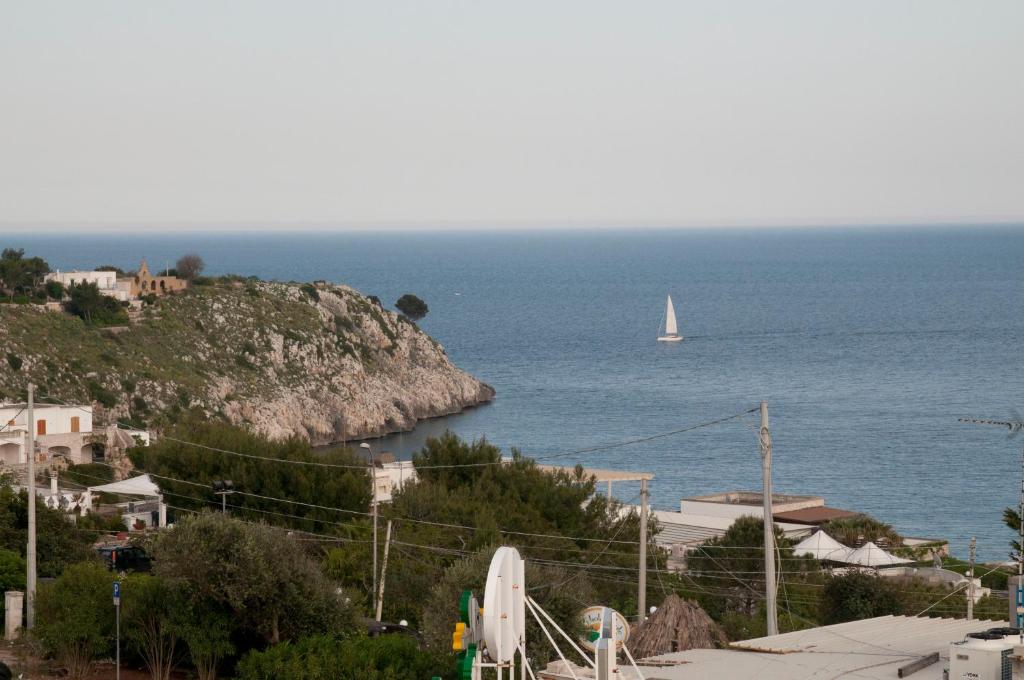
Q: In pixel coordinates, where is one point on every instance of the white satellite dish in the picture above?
(504, 617)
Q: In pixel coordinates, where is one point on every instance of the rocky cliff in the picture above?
(323, 362)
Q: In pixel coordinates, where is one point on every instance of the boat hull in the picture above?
(670, 338)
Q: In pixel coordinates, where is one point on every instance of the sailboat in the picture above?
(671, 332)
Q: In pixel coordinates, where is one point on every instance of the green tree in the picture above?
(150, 606)
(858, 595)
(88, 303)
(861, 529)
(75, 619)
(206, 628)
(412, 306)
(20, 274)
(59, 542)
(389, 657)
(260, 573)
(54, 290)
(12, 571)
(344, 488)
(1011, 518)
(733, 564)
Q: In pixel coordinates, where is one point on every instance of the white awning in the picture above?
(870, 555)
(142, 485)
(821, 546)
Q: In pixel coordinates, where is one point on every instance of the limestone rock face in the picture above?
(321, 362)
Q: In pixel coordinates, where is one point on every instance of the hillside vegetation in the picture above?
(322, 362)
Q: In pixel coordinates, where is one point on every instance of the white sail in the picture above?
(670, 318)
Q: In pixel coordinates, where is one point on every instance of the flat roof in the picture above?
(872, 648)
(749, 498)
(816, 515)
(601, 475)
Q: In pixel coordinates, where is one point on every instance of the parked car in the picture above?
(125, 558)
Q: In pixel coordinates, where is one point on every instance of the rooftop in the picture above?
(755, 498)
(816, 515)
(869, 649)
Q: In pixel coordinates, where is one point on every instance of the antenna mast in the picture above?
(1014, 426)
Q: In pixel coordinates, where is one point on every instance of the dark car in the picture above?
(124, 558)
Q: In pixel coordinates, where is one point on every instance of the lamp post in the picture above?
(222, 488)
(373, 490)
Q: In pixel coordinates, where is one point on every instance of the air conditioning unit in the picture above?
(984, 656)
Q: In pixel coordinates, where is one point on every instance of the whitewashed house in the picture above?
(61, 432)
(106, 282)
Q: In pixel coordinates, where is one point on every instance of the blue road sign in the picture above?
(117, 592)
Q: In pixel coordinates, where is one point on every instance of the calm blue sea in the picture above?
(868, 344)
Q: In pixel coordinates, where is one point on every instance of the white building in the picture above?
(64, 431)
(106, 282)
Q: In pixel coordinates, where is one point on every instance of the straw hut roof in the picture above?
(677, 625)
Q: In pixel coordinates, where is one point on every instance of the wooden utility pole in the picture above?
(970, 585)
(30, 550)
(769, 524)
(383, 571)
(641, 598)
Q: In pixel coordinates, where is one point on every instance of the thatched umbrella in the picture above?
(677, 625)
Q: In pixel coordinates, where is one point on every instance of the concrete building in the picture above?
(64, 434)
(143, 282)
(106, 282)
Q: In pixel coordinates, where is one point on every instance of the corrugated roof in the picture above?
(868, 649)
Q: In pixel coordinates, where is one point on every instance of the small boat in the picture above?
(671, 332)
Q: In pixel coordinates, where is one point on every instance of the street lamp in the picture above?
(373, 490)
(222, 488)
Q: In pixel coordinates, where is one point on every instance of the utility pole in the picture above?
(970, 585)
(384, 571)
(641, 598)
(769, 524)
(373, 490)
(30, 551)
(1017, 598)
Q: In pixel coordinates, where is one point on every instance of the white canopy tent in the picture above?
(143, 485)
(870, 555)
(821, 546)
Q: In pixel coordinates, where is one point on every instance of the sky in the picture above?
(372, 114)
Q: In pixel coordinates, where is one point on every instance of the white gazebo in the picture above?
(143, 486)
(870, 555)
(821, 546)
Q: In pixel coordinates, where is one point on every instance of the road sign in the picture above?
(117, 593)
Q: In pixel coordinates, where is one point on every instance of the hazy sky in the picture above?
(484, 113)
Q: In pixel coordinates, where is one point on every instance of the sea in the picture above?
(868, 344)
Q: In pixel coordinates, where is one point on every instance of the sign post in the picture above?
(117, 618)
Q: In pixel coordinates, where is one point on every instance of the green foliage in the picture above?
(206, 628)
(14, 361)
(58, 542)
(75, 619)
(389, 657)
(861, 529)
(101, 394)
(348, 489)
(858, 595)
(1011, 518)
(93, 307)
(257, 572)
(111, 268)
(19, 274)
(412, 306)
(54, 290)
(310, 291)
(12, 571)
(740, 552)
(150, 609)
(88, 474)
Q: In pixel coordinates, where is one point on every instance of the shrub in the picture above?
(412, 306)
(14, 361)
(75, 617)
(101, 394)
(390, 657)
(310, 291)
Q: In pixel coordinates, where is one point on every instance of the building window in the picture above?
(40, 427)
(75, 423)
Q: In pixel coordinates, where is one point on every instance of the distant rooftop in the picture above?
(754, 498)
(815, 515)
